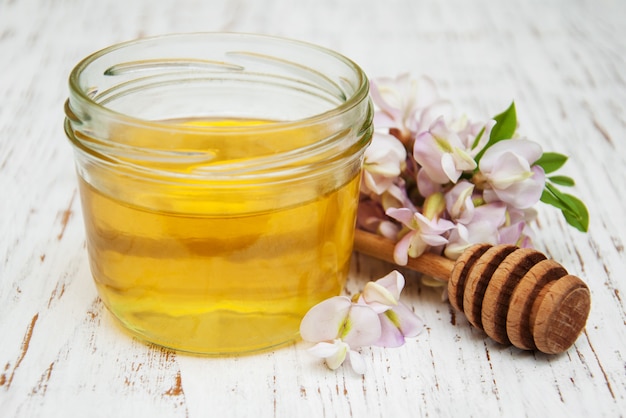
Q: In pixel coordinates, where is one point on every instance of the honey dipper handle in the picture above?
(382, 248)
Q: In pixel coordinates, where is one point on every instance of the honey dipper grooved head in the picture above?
(503, 283)
(460, 273)
(518, 296)
(525, 295)
(478, 281)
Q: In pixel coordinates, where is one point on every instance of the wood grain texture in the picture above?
(562, 61)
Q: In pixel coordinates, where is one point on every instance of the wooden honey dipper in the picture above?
(515, 295)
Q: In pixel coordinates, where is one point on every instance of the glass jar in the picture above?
(219, 178)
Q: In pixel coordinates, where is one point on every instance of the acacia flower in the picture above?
(376, 316)
(338, 327)
(371, 217)
(516, 228)
(484, 226)
(441, 153)
(383, 162)
(464, 236)
(473, 135)
(336, 352)
(507, 173)
(384, 293)
(396, 319)
(433, 183)
(424, 230)
(459, 203)
(406, 104)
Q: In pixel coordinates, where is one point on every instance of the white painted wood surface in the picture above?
(562, 61)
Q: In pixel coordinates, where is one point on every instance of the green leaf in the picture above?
(506, 124)
(578, 218)
(478, 137)
(549, 199)
(562, 180)
(551, 161)
(573, 209)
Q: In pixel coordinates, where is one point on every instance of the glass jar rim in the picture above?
(82, 95)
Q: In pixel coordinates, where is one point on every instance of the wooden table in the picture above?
(563, 62)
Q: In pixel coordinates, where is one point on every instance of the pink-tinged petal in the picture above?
(387, 99)
(434, 240)
(436, 110)
(522, 215)
(324, 321)
(411, 325)
(469, 133)
(383, 162)
(458, 242)
(423, 232)
(433, 227)
(386, 168)
(397, 324)
(402, 215)
(442, 153)
(402, 99)
(449, 168)
(464, 236)
(517, 230)
(387, 151)
(526, 242)
(445, 138)
(362, 327)
(490, 196)
(429, 155)
(396, 197)
(509, 169)
(376, 183)
(334, 361)
(377, 297)
(463, 161)
(426, 185)
(384, 293)
(528, 150)
(483, 231)
(393, 282)
(511, 234)
(390, 334)
(459, 202)
(377, 149)
(523, 195)
(383, 120)
(401, 249)
(357, 362)
(324, 349)
(336, 353)
(484, 139)
(417, 246)
(494, 214)
(388, 230)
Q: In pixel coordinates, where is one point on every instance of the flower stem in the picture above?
(379, 247)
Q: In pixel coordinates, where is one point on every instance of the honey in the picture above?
(219, 182)
(218, 284)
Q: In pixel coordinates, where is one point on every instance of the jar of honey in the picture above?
(219, 178)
